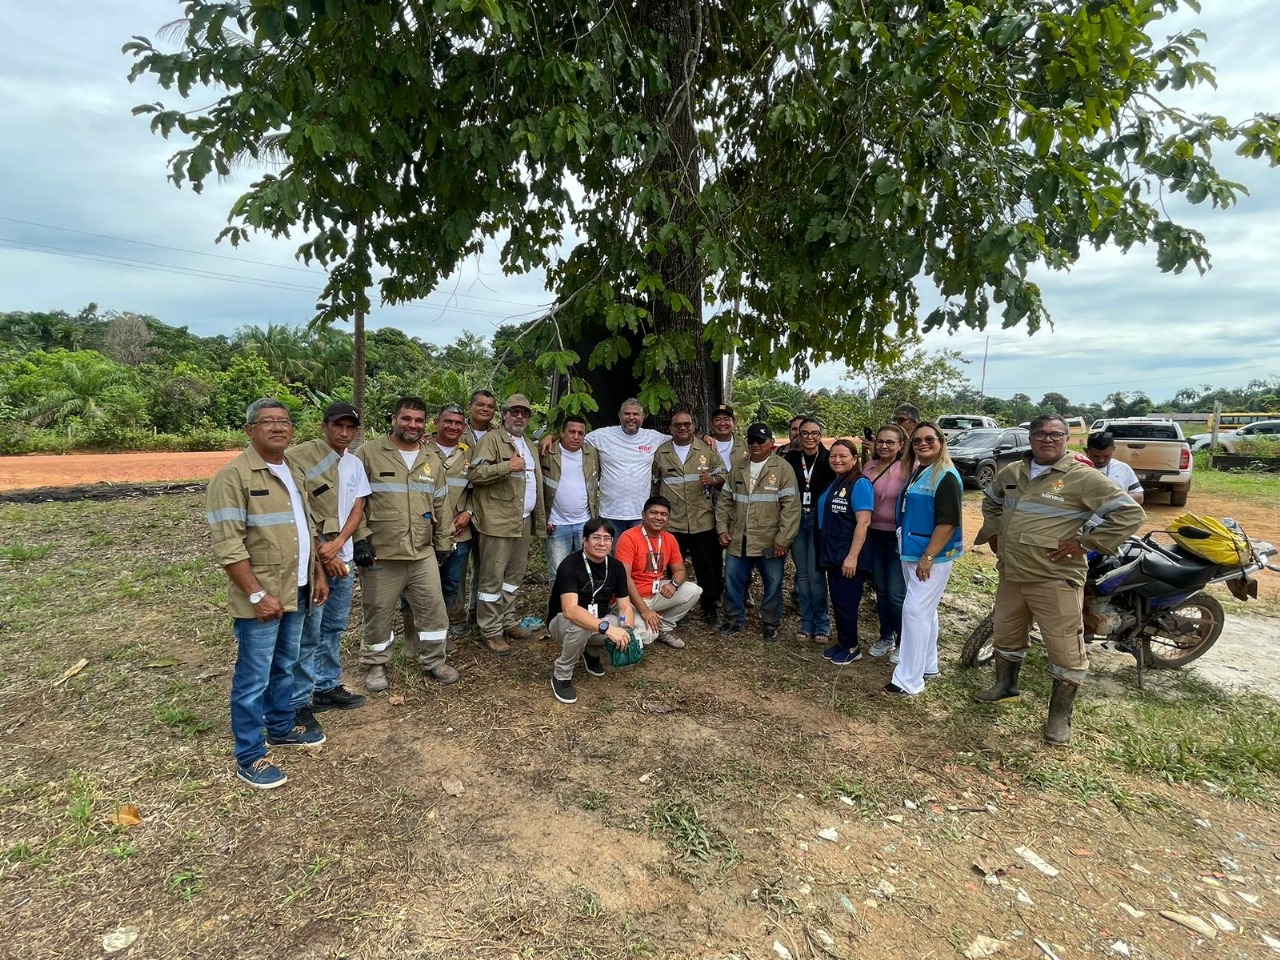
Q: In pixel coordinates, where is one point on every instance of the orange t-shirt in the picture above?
(647, 558)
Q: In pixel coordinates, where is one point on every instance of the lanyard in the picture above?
(655, 554)
(595, 591)
(807, 469)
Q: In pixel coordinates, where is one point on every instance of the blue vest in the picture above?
(916, 517)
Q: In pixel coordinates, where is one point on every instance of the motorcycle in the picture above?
(1148, 600)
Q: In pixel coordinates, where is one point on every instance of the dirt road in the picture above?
(73, 469)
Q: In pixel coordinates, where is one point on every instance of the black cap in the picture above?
(725, 409)
(759, 433)
(336, 411)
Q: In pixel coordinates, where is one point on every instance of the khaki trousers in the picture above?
(1056, 606)
(380, 589)
(574, 641)
(671, 610)
(503, 561)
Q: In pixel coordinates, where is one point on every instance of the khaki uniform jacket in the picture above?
(551, 466)
(457, 468)
(406, 513)
(319, 464)
(251, 515)
(763, 517)
(469, 435)
(497, 496)
(1031, 517)
(692, 511)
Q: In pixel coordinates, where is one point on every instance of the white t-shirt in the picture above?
(725, 449)
(626, 469)
(682, 452)
(478, 434)
(756, 469)
(282, 471)
(1040, 469)
(353, 483)
(408, 456)
(447, 452)
(570, 507)
(530, 478)
(1123, 476)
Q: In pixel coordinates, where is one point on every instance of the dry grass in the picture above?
(673, 812)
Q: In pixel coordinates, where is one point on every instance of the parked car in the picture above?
(1228, 439)
(979, 454)
(954, 424)
(1157, 452)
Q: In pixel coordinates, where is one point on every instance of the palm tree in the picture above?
(81, 391)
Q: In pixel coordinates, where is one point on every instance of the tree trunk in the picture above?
(357, 356)
(676, 170)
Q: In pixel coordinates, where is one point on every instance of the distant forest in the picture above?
(105, 380)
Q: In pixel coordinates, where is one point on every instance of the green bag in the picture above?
(631, 653)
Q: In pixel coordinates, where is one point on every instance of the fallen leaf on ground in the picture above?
(990, 866)
(119, 938)
(453, 786)
(1206, 930)
(1081, 852)
(1033, 858)
(126, 815)
(983, 947)
(161, 664)
(657, 706)
(71, 671)
(395, 700)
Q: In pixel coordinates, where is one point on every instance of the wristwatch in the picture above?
(927, 556)
(258, 597)
(604, 626)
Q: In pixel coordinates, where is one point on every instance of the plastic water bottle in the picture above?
(622, 620)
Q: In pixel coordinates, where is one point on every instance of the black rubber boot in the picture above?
(1058, 730)
(1006, 685)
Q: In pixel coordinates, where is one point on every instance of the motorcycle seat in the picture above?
(1188, 571)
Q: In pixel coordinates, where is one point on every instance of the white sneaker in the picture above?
(880, 648)
(895, 658)
(671, 640)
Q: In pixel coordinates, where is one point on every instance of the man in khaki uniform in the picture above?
(481, 410)
(570, 490)
(406, 517)
(757, 518)
(1034, 514)
(264, 538)
(507, 504)
(688, 472)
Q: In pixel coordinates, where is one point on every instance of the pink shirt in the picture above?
(884, 516)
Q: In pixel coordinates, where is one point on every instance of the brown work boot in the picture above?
(497, 645)
(518, 632)
(444, 673)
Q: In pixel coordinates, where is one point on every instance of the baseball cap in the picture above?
(336, 411)
(518, 400)
(725, 409)
(759, 433)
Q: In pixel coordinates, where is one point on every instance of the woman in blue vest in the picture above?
(929, 518)
(844, 516)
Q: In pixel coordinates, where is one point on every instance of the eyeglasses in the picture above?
(600, 537)
(681, 424)
(811, 434)
(273, 422)
(1043, 435)
(923, 441)
(525, 414)
(887, 443)
(902, 420)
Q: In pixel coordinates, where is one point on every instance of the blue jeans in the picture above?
(811, 585)
(452, 571)
(319, 665)
(621, 526)
(262, 685)
(737, 574)
(881, 556)
(567, 539)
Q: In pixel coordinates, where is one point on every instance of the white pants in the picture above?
(671, 610)
(919, 651)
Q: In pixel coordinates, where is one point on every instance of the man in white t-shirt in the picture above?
(570, 481)
(1101, 449)
(626, 466)
(336, 488)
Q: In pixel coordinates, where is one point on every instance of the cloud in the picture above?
(76, 159)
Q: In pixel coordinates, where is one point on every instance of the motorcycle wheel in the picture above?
(979, 649)
(1184, 633)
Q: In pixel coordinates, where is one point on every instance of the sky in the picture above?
(86, 215)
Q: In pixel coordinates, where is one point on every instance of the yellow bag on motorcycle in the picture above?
(1222, 545)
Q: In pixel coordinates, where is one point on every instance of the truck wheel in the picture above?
(1184, 633)
(1178, 496)
(985, 474)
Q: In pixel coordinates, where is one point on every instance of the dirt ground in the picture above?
(720, 802)
(24, 473)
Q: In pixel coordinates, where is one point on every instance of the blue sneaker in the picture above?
(841, 656)
(299, 736)
(262, 774)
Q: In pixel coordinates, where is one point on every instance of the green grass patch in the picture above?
(1255, 487)
(19, 554)
(694, 841)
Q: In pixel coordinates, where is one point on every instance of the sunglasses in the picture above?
(923, 441)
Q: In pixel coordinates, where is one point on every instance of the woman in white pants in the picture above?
(929, 529)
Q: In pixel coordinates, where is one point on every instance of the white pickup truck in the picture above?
(954, 424)
(1157, 452)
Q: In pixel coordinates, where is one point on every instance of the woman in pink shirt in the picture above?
(880, 557)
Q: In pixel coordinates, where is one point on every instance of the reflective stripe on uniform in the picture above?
(1114, 505)
(226, 515)
(489, 597)
(457, 481)
(379, 647)
(269, 519)
(322, 466)
(1048, 510)
(510, 587)
(432, 636)
(551, 483)
(755, 497)
(389, 487)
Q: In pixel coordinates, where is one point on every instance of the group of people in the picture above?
(641, 527)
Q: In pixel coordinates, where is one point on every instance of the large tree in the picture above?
(780, 179)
